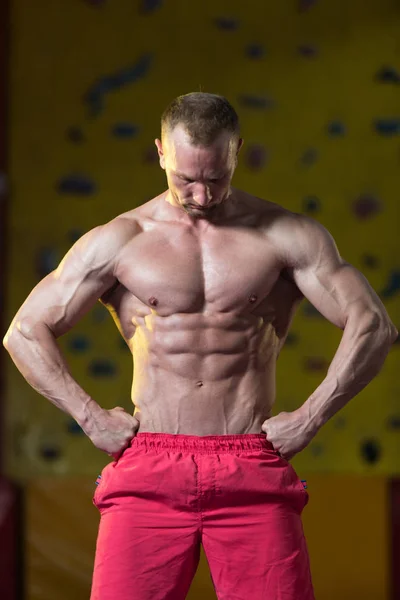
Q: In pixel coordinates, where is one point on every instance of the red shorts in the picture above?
(168, 494)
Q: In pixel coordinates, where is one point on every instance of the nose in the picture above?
(202, 195)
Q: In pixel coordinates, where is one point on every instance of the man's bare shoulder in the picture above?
(138, 215)
(269, 214)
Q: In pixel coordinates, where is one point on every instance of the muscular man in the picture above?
(202, 282)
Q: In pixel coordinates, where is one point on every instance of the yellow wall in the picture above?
(59, 51)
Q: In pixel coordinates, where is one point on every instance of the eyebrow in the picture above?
(215, 175)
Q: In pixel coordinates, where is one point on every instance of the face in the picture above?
(199, 178)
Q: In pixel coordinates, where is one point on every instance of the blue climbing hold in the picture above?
(79, 344)
(94, 97)
(76, 185)
(388, 75)
(125, 130)
(47, 260)
(387, 127)
(74, 428)
(371, 451)
(393, 284)
(50, 452)
(311, 204)
(102, 368)
(336, 128)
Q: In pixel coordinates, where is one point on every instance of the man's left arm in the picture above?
(342, 295)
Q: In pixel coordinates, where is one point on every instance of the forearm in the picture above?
(37, 356)
(360, 356)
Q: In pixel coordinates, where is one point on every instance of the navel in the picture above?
(253, 298)
(199, 384)
(153, 301)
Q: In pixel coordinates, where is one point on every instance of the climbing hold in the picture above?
(387, 127)
(388, 75)
(255, 51)
(102, 368)
(47, 260)
(256, 156)
(311, 204)
(76, 185)
(366, 206)
(50, 452)
(256, 102)
(79, 344)
(336, 128)
(370, 261)
(393, 284)
(371, 451)
(125, 130)
(74, 428)
(393, 422)
(94, 97)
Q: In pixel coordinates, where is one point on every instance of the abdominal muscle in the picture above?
(203, 374)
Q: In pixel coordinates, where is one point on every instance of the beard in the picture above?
(206, 212)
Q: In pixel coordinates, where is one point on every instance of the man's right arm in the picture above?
(53, 307)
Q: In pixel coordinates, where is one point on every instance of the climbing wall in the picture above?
(317, 88)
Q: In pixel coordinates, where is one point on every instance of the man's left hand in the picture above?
(289, 433)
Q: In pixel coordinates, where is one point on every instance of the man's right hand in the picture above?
(112, 430)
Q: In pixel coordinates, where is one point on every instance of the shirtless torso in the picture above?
(205, 305)
(205, 311)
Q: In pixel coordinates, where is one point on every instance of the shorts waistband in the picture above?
(208, 444)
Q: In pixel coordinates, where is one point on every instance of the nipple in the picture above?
(153, 301)
(253, 298)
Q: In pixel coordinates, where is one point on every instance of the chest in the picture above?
(174, 271)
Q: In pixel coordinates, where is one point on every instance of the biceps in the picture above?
(59, 302)
(339, 293)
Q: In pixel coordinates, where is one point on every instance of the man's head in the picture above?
(200, 141)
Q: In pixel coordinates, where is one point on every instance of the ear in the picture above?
(240, 144)
(160, 153)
